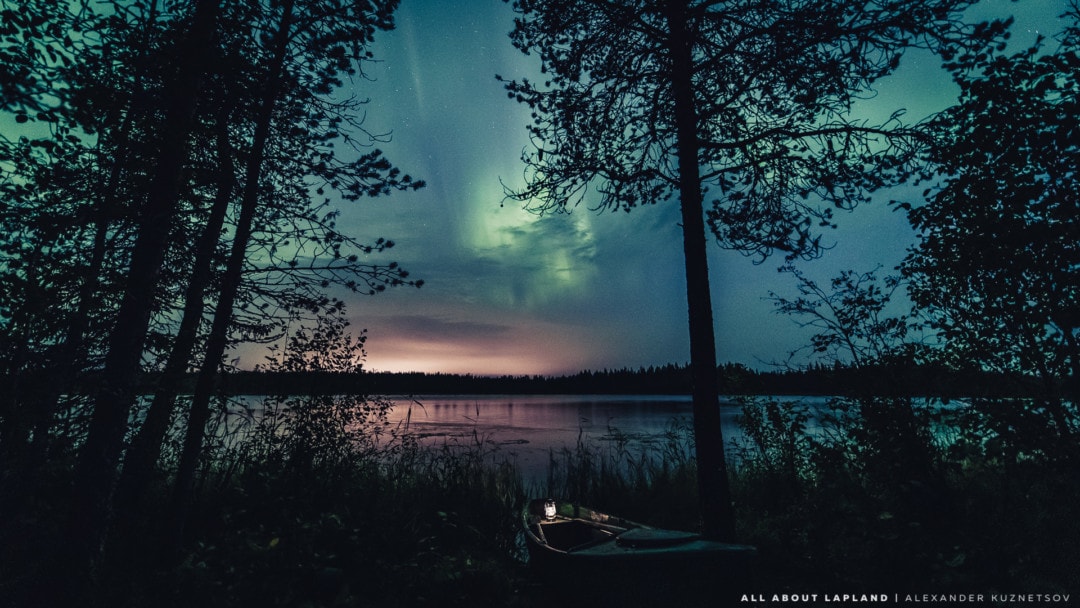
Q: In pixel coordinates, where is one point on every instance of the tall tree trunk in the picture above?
(20, 377)
(142, 455)
(718, 516)
(69, 353)
(223, 311)
(68, 361)
(96, 470)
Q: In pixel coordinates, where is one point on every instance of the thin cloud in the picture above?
(440, 329)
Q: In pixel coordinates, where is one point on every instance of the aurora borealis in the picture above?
(508, 292)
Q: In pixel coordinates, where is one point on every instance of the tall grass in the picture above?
(650, 479)
(312, 502)
(887, 495)
(361, 514)
(871, 495)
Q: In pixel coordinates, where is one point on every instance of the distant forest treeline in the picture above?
(671, 379)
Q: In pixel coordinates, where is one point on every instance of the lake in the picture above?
(526, 428)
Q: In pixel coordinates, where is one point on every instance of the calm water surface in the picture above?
(527, 428)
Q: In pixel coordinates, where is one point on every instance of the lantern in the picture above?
(549, 509)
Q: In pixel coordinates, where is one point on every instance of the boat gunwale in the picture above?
(693, 543)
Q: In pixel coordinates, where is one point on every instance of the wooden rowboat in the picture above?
(579, 547)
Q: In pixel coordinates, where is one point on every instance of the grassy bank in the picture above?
(410, 528)
(357, 522)
(860, 504)
(313, 503)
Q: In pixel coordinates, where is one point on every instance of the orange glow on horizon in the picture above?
(524, 349)
(435, 358)
(529, 351)
(470, 366)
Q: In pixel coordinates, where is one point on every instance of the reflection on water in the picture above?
(526, 428)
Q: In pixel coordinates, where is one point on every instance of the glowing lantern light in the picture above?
(549, 509)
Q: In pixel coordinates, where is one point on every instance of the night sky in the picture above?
(509, 292)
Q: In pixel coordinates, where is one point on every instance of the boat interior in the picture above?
(571, 534)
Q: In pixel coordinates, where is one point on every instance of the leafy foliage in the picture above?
(997, 259)
(773, 86)
(996, 264)
(135, 198)
(851, 317)
(302, 433)
(860, 513)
